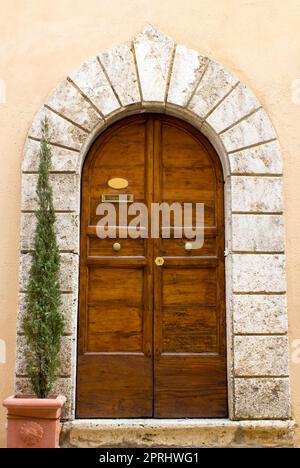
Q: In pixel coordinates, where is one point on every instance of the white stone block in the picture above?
(254, 130)
(257, 314)
(215, 84)
(67, 225)
(120, 67)
(252, 233)
(258, 273)
(65, 191)
(90, 78)
(262, 159)
(69, 102)
(240, 102)
(262, 398)
(261, 356)
(187, 69)
(257, 194)
(61, 131)
(68, 308)
(62, 159)
(68, 271)
(65, 356)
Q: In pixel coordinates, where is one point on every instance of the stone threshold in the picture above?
(202, 433)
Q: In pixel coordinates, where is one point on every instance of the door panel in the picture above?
(120, 153)
(130, 247)
(189, 338)
(114, 386)
(115, 365)
(189, 329)
(184, 388)
(176, 247)
(190, 286)
(152, 338)
(191, 188)
(109, 327)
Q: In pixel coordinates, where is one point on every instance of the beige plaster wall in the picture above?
(41, 41)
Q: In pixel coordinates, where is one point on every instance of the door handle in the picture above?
(188, 246)
(159, 261)
(116, 246)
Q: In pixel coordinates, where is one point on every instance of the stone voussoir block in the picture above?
(240, 102)
(64, 160)
(153, 52)
(214, 85)
(91, 80)
(120, 67)
(69, 102)
(262, 398)
(187, 69)
(61, 131)
(261, 355)
(255, 129)
(259, 313)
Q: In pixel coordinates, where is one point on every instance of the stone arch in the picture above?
(152, 73)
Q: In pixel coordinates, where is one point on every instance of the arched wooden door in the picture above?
(152, 338)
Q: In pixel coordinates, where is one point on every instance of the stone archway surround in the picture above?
(154, 74)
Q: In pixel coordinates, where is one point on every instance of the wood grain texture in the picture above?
(152, 339)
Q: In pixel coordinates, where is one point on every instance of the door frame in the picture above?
(206, 95)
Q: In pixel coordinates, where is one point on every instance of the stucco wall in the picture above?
(258, 41)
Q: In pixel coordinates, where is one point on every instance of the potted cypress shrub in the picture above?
(34, 420)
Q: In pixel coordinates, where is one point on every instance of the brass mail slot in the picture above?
(117, 198)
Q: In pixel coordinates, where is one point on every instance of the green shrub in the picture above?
(44, 323)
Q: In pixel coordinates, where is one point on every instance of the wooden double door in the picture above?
(152, 337)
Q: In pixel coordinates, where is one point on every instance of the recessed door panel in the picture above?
(111, 328)
(189, 329)
(190, 286)
(184, 388)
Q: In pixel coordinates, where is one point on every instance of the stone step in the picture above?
(205, 433)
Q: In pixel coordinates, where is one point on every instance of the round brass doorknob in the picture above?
(159, 261)
(116, 246)
(188, 246)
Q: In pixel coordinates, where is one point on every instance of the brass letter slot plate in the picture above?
(117, 198)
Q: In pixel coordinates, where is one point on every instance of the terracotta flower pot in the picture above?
(33, 422)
